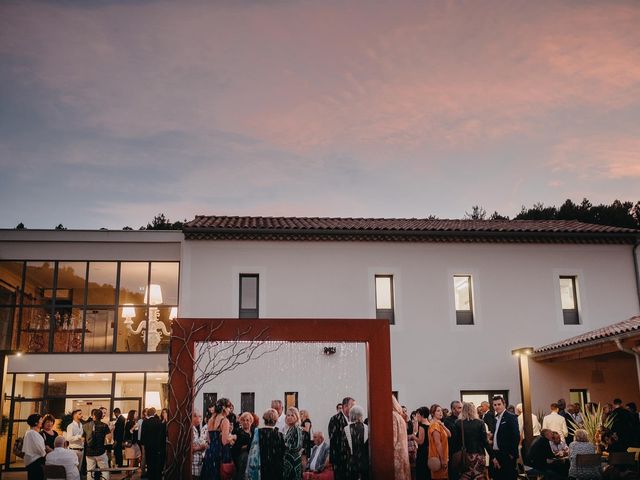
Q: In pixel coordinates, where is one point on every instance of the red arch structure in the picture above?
(186, 332)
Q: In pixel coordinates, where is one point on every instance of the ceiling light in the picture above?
(31, 374)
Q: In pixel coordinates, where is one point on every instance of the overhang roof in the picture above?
(618, 331)
(212, 227)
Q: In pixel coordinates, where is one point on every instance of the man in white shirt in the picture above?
(280, 424)
(555, 422)
(64, 457)
(534, 422)
(73, 435)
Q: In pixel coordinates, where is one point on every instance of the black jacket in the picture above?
(154, 435)
(490, 419)
(475, 436)
(508, 434)
(94, 434)
(118, 429)
(538, 454)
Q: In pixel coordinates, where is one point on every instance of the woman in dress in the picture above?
(400, 442)
(132, 452)
(305, 423)
(33, 448)
(438, 445)
(292, 463)
(219, 441)
(422, 439)
(267, 450)
(48, 433)
(357, 445)
(240, 449)
(475, 442)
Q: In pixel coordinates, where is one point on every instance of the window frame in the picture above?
(248, 312)
(465, 318)
(570, 316)
(385, 313)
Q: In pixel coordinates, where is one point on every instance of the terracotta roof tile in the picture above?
(319, 224)
(626, 326)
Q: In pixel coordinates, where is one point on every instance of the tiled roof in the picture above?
(627, 326)
(217, 227)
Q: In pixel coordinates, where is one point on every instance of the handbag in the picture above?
(227, 471)
(434, 464)
(459, 459)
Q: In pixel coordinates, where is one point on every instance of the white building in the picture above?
(461, 295)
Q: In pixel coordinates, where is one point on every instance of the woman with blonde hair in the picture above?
(292, 465)
(400, 442)
(473, 463)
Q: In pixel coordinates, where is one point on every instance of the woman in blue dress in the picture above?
(219, 441)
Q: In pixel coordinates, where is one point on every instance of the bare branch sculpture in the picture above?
(210, 359)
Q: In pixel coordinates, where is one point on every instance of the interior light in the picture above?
(31, 374)
(90, 374)
(105, 379)
(18, 354)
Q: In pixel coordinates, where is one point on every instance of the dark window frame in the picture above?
(295, 395)
(386, 313)
(571, 316)
(250, 398)
(249, 312)
(465, 317)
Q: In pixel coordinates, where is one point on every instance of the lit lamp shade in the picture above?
(128, 311)
(156, 294)
(173, 313)
(152, 399)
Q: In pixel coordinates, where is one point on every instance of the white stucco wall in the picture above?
(516, 297)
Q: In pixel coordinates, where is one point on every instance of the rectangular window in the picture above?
(384, 298)
(478, 396)
(290, 400)
(249, 295)
(462, 291)
(579, 395)
(569, 299)
(247, 402)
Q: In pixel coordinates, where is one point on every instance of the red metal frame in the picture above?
(374, 333)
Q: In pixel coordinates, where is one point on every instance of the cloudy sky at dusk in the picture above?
(112, 111)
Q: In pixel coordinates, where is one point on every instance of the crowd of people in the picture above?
(96, 443)
(463, 442)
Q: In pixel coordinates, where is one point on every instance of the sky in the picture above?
(114, 111)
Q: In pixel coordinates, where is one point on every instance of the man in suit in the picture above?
(562, 411)
(488, 417)
(318, 458)
(118, 436)
(337, 438)
(154, 438)
(505, 442)
(624, 425)
(539, 452)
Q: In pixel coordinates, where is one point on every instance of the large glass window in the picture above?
(463, 296)
(157, 391)
(569, 299)
(79, 306)
(384, 298)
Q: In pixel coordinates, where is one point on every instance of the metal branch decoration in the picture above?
(209, 358)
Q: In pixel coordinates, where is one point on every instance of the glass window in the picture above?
(8, 322)
(10, 282)
(67, 329)
(165, 275)
(38, 285)
(72, 277)
(134, 278)
(463, 299)
(247, 402)
(157, 391)
(34, 332)
(160, 330)
(67, 384)
(129, 322)
(98, 335)
(249, 292)
(129, 384)
(290, 400)
(384, 298)
(29, 385)
(102, 283)
(569, 299)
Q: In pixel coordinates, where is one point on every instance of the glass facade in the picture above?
(78, 306)
(61, 393)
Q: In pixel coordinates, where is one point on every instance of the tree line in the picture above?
(617, 214)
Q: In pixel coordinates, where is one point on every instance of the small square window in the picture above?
(384, 298)
(569, 300)
(249, 295)
(463, 294)
(290, 400)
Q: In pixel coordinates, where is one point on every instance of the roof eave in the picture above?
(560, 351)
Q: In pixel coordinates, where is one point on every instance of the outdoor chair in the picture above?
(619, 459)
(54, 472)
